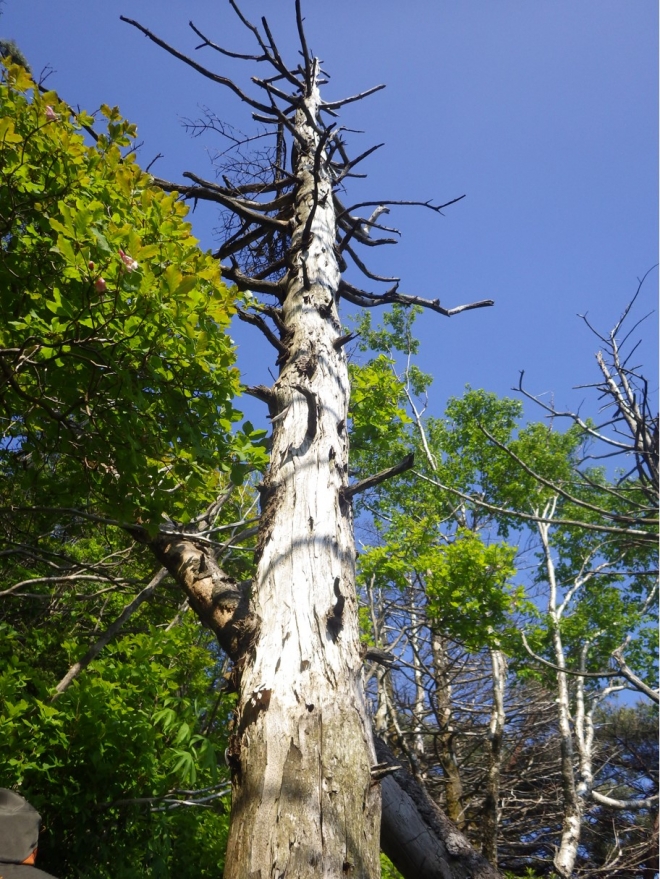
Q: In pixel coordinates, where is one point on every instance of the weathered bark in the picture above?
(304, 803)
(220, 602)
(418, 838)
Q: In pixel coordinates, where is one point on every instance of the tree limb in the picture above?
(371, 481)
(628, 805)
(516, 514)
(335, 105)
(617, 517)
(369, 300)
(215, 77)
(626, 672)
(259, 322)
(568, 671)
(417, 837)
(109, 634)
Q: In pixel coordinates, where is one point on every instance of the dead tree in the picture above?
(306, 779)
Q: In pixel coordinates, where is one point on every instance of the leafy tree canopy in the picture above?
(117, 378)
(117, 373)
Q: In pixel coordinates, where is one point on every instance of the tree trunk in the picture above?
(446, 740)
(418, 838)
(420, 692)
(496, 734)
(304, 803)
(572, 820)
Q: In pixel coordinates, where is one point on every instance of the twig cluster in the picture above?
(257, 191)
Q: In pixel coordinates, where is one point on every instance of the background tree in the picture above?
(585, 541)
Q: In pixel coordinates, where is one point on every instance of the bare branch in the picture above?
(211, 45)
(276, 59)
(215, 77)
(628, 805)
(172, 799)
(371, 481)
(246, 282)
(335, 105)
(644, 537)
(109, 634)
(303, 46)
(210, 192)
(420, 204)
(276, 204)
(63, 578)
(568, 671)
(259, 322)
(274, 91)
(344, 340)
(626, 672)
(616, 517)
(365, 271)
(357, 229)
(348, 166)
(369, 300)
(261, 392)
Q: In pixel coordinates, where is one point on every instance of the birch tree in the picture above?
(306, 777)
(588, 545)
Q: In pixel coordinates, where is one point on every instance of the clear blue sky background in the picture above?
(544, 112)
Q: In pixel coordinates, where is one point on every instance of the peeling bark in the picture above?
(417, 837)
(572, 802)
(221, 603)
(304, 803)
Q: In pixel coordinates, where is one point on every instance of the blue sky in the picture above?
(543, 112)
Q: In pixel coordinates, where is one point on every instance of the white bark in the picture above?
(573, 807)
(304, 802)
(420, 692)
(446, 740)
(495, 735)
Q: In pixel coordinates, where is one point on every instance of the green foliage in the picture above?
(387, 868)
(377, 411)
(464, 553)
(118, 373)
(136, 725)
(466, 581)
(117, 381)
(483, 609)
(472, 460)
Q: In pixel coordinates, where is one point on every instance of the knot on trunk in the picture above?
(334, 619)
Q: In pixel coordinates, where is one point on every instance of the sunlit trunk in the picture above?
(304, 802)
(572, 802)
